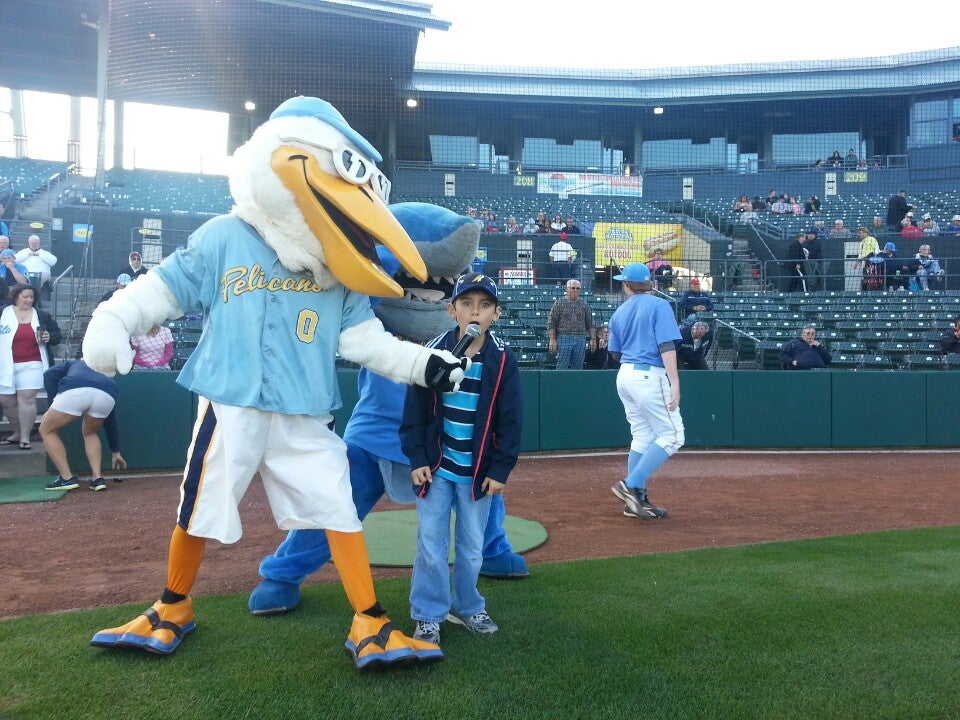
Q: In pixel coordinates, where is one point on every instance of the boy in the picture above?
(74, 391)
(461, 446)
(642, 335)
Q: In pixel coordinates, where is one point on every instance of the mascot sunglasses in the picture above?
(352, 166)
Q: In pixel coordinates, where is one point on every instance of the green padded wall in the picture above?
(942, 403)
(530, 440)
(706, 405)
(880, 409)
(581, 409)
(775, 408)
(155, 416)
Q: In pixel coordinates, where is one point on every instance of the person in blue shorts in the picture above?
(643, 331)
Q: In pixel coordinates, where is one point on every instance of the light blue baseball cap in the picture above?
(634, 272)
(325, 112)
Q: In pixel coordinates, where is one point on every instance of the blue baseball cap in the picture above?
(474, 281)
(890, 246)
(8, 251)
(325, 112)
(634, 272)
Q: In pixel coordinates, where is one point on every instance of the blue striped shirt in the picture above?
(459, 412)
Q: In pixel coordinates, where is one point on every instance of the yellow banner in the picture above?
(624, 243)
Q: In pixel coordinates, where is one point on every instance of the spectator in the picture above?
(877, 223)
(794, 205)
(909, 229)
(742, 205)
(895, 269)
(571, 227)
(693, 346)
(490, 223)
(796, 263)
(868, 251)
(814, 264)
(531, 227)
(472, 214)
(513, 227)
(570, 320)
(11, 271)
(928, 266)
(122, 281)
(4, 229)
(782, 206)
(836, 160)
(600, 359)
(694, 302)
(561, 256)
(772, 197)
(850, 161)
(929, 225)
(557, 224)
(812, 206)
(153, 350)
(862, 164)
(953, 228)
(661, 269)
(897, 209)
(805, 352)
(839, 232)
(76, 391)
(758, 205)
(4, 242)
(817, 164)
(37, 261)
(950, 339)
(135, 266)
(26, 335)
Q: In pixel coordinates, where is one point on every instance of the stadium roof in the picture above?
(921, 72)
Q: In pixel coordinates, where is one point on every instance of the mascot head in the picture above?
(447, 242)
(309, 184)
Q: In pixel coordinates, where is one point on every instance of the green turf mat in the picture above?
(392, 536)
(28, 489)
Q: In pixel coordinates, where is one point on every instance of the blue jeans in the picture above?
(570, 352)
(430, 594)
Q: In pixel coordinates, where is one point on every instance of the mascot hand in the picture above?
(106, 345)
(445, 371)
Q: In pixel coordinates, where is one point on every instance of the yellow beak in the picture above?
(348, 221)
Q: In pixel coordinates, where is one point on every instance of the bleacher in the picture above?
(163, 191)
(28, 175)
(863, 331)
(584, 208)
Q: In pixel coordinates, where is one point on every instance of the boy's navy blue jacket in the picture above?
(74, 374)
(496, 431)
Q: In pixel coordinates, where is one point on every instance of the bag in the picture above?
(914, 285)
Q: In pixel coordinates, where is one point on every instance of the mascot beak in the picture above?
(349, 221)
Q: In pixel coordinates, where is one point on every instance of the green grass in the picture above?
(853, 627)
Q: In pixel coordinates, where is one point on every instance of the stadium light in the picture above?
(412, 102)
(249, 105)
(658, 111)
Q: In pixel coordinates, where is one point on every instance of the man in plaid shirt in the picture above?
(570, 320)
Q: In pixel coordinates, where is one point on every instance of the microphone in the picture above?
(470, 332)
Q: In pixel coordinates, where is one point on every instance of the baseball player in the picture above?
(642, 335)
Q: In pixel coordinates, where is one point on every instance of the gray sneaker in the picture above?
(479, 623)
(427, 632)
(97, 484)
(636, 503)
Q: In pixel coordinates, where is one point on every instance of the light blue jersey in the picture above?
(639, 326)
(269, 335)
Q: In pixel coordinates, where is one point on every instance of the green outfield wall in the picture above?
(571, 410)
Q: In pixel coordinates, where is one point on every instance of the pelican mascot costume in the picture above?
(283, 282)
(447, 242)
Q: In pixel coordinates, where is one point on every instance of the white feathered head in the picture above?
(310, 185)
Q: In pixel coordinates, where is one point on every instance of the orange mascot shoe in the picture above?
(375, 642)
(158, 629)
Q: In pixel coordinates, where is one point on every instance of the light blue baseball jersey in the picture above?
(639, 326)
(270, 335)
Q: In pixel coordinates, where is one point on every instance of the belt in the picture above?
(644, 367)
(641, 366)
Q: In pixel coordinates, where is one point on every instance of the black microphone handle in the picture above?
(459, 349)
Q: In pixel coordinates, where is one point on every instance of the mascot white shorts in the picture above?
(303, 465)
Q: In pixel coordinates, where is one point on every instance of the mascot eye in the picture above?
(352, 165)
